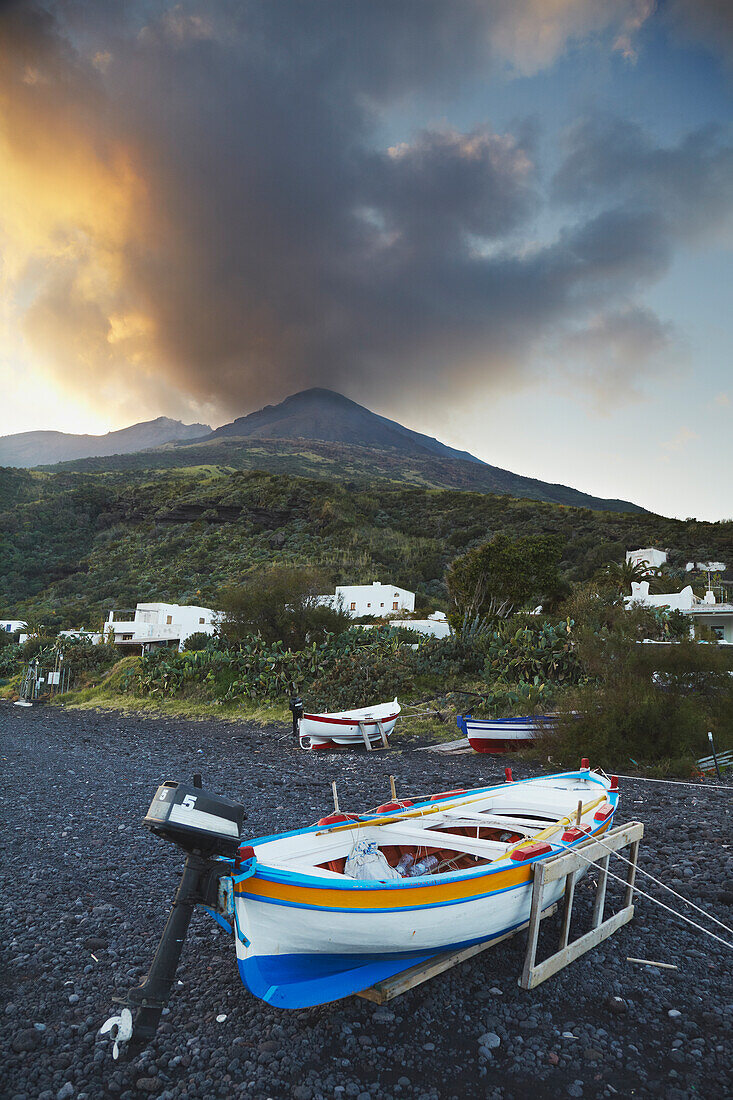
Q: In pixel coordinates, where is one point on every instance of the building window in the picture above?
(381, 605)
(169, 619)
(353, 607)
(201, 621)
(127, 637)
(369, 605)
(394, 606)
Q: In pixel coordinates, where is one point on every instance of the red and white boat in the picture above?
(504, 734)
(348, 727)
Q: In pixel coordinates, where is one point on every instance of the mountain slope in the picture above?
(320, 434)
(342, 462)
(73, 545)
(331, 417)
(46, 448)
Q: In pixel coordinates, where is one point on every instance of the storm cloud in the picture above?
(205, 202)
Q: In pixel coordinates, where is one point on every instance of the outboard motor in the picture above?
(208, 828)
(195, 820)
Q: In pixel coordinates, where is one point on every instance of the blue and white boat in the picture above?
(504, 734)
(323, 912)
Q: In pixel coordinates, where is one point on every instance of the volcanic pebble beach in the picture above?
(86, 891)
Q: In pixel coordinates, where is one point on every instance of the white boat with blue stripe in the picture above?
(326, 911)
(505, 734)
(455, 870)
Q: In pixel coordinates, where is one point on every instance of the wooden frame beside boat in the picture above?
(567, 866)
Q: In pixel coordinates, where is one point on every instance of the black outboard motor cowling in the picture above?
(195, 820)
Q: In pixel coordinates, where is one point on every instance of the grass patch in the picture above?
(93, 699)
(108, 695)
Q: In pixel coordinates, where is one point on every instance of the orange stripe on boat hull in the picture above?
(432, 894)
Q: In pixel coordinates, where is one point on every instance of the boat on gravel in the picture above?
(322, 912)
(504, 734)
(348, 727)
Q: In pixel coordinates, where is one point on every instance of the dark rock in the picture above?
(150, 1085)
(26, 1040)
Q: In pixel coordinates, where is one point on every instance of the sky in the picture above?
(508, 224)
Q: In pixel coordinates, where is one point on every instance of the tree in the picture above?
(279, 604)
(492, 580)
(619, 576)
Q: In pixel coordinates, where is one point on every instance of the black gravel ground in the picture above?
(85, 892)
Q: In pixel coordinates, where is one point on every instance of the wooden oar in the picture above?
(388, 819)
(567, 820)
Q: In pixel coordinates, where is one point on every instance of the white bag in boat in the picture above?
(367, 862)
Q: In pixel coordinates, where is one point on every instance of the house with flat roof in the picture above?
(706, 612)
(80, 635)
(377, 599)
(150, 625)
(647, 556)
(705, 567)
(435, 626)
(13, 626)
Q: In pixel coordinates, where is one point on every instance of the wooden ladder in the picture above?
(567, 865)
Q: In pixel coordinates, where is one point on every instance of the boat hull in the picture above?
(301, 980)
(338, 945)
(321, 732)
(303, 938)
(503, 734)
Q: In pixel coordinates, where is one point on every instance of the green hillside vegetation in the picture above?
(73, 545)
(344, 462)
(620, 702)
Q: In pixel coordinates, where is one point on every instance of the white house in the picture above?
(649, 556)
(156, 624)
(675, 601)
(12, 626)
(435, 626)
(701, 612)
(705, 567)
(370, 599)
(718, 617)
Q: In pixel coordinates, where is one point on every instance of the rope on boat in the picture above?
(680, 783)
(641, 871)
(643, 893)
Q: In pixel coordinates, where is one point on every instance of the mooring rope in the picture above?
(641, 871)
(679, 783)
(643, 893)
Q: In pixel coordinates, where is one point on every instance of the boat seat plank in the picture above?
(454, 842)
(456, 816)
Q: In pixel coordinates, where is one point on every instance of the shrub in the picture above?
(647, 704)
(11, 660)
(491, 580)
(82, 657)
(197, 641)
(36, 645)
(527, 650)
